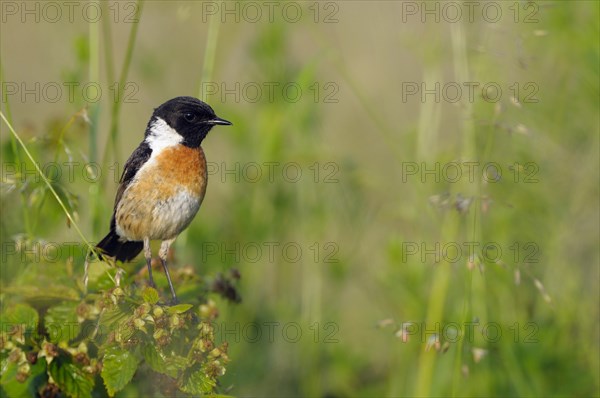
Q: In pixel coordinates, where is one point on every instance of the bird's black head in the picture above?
(189, 117)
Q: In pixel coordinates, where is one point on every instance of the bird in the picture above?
(163, 183)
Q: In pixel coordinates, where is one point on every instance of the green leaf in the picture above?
(71, 380)
(115, 315)
(197, 382)
(20, 314)
(118, 368)
(114, 321)
(150, 295)
(179, 308)
(58, 286)
(158, 362)
(9, 383)
(61, 322)
(14, 388)
(53, 292)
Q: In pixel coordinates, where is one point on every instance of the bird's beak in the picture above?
(218, 120)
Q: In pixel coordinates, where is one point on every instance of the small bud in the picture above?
(139, 323)
(158, 333)
(175, 321)
(158, 312)
(143, 309)
(32, 357)
(215, 353)
(15, 356)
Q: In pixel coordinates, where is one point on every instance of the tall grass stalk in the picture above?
(107, 42)
(209, 54)
(94, 76)
(451, 229)
(94, 115)
(435, 308)
(116, 106)
(429, 119)
(461, 74)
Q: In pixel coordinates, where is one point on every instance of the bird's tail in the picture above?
(113, 246)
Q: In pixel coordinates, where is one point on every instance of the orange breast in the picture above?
(181, 166)
(164, 196)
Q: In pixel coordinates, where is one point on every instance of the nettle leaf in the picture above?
(116, 314)
(17, 316)
(9, 383)
(48, 271)
(14, 388)
(61, 322)
(179, 308)
(196, 382)
(72, 380)
(113, 324)
(53, 291)
(118, 367)
(150, 295)
(20, 314)
(159, 362)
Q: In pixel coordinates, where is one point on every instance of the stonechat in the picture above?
(163, 183)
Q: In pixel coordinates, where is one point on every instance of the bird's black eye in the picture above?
(189, 116)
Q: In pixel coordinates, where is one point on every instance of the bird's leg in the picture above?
(164, 251)
(148, 255)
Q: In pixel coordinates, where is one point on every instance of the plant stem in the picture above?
(117, 102)
(94, 115)
(209, 54)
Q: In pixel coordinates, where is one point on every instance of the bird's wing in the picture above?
(134, 163)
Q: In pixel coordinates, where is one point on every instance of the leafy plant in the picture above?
(97, 343)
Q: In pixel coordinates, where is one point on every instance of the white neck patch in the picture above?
(162, 136)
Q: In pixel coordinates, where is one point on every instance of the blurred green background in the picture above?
(334, 193)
